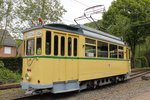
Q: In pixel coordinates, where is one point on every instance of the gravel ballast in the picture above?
(122, 91)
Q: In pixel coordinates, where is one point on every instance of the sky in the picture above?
(75, 8)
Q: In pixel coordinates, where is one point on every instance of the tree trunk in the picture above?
(133, 57)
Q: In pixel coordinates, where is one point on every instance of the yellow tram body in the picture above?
(44, 70)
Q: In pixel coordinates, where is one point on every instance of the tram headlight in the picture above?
(27, 76)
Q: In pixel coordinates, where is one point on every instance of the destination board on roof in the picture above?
(39, 33)
(30, 34)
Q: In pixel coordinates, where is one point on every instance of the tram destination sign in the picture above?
(30, 34)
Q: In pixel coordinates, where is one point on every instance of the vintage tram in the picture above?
(63, 58)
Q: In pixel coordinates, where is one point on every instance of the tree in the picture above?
(16, 14)
(48, 10)
(124, 18)
(6, 16)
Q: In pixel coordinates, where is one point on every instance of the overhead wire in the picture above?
(81, 3)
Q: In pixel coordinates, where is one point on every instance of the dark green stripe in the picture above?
(62, 57)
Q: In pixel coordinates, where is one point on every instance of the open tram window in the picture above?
(75, 47)
(90, 51)
(121, 52)
(62, 46)
(69, 46)
(38, 46)
(113, 51)
(102, 49)
(55, 45)
(30, 47)
(48, 43)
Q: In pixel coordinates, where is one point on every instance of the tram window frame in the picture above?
(113, 51)
(32, 47)
(48, 40)
(102, 49)
(38, 46)
(90, 50)
(75, 44)
(56, 44)
(90, 47)
(120, 52)
(62, 46)
(69, 46)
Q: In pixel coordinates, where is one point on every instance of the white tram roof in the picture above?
(87, 31)
(83, 30)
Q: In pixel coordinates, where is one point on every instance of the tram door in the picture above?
(59, 67)
(72, 61)
(65, 50)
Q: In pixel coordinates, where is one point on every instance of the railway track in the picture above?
(138, 74)
(9, 86)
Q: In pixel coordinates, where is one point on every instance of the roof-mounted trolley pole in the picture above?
(91, 11)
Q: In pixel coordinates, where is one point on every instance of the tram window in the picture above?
(121, 52)
(55, 45)
(62, 46)
(75, 47)
(69, 46)
(90, 51)
(30, 47)
(38, 46)
(90, 41)
(48, 43)
(102, 49)
(113, 51)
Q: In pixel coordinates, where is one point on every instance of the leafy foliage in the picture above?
(147, 54)
(142, 62)
(127, 18)
(1, 64)
(13, 64)
(8, 76)
(6, 17)
(16, 14)
(48, 10)
(18, 42)
(93, 25)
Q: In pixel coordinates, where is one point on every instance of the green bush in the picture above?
(13, 63)
(141, 62)
(1, 64)
(147, 54)
(8, 76)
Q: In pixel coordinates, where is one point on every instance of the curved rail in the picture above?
(138, 74)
